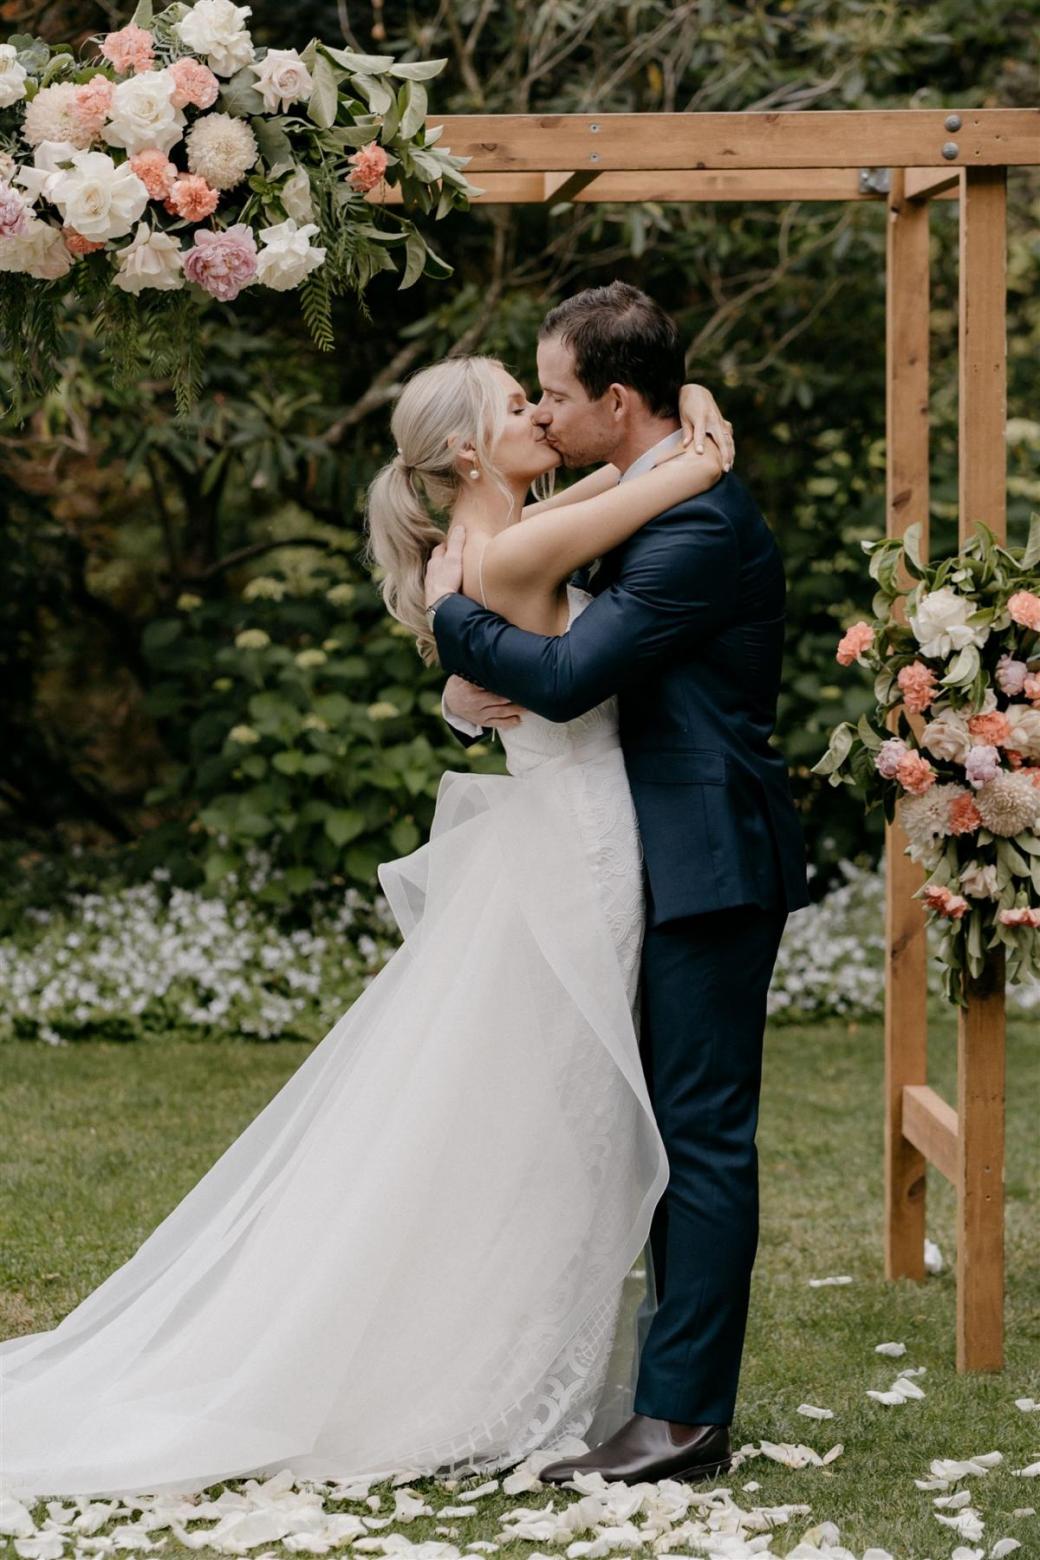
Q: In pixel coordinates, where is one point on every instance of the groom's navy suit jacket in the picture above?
(687, 628)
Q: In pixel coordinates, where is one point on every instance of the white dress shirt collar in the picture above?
(645, 461)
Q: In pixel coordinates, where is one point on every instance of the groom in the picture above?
(687, 628)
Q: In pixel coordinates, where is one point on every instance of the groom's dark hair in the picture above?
(620, 336)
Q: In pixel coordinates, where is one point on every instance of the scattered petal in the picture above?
(811, 1412)
(1028, 1405)
(893, 1349)
(933, 1257)
(1004, 1546)
(823, 1283)
(1032, 1472)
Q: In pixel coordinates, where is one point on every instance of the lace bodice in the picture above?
(536, 740)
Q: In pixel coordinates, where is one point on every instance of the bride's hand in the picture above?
(700, 416)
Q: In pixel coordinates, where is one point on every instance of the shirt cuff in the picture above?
(465, 726)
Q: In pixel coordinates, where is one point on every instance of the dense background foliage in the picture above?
(136, 550)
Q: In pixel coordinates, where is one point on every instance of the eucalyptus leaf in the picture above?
(416, 260)
(275, 147)
(1031, 552)
(415, 110)
(392, 118)
(963, 668)
(838, 750)
(142, 16)
(376, 94)
(367, 64)
(239, 97)
(324, 98)
(417, 70)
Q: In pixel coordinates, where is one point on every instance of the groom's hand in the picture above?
(477, 705)
(444, 570)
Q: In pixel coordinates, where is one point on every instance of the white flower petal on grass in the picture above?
(895, 1350)
(1024, 1511)
(811, 1412)
(962, 1553)
(482, 1489)
(961, 1498)
(933, 1257)
(824, 1283)
(1028, 1405)
(1004, 1546)
(457, 1511)
(950, 1469)
(966, 1524)
(1032, 1472)
(521, 1480)
(15, 1519)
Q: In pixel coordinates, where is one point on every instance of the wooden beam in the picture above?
(876, 138)
(983, 352)
(906, 495)
(930, 1124)
(933, 183)
(566, 186)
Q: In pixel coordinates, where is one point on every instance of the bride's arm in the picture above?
(546, 549)
(599, 481)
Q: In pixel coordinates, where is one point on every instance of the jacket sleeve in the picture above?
(677, 585)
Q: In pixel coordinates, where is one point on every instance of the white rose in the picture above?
(98, 199)
(282, 78)
(151, 259)
(1024, 722)
(295, 196)
(287, 256)
(214, 28)
(947, 737)
(979, 882)
(143, 114)
(48, 165)
(941, 626)
(12, 76)
(40, 251)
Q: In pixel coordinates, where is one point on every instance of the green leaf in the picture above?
(275, 146)
(288, 763)
(218, 865)
(416, 253)
(415, 110)
(1031, 553)
(838, 750)
(344, 825)
(370, 64)
(377, 94)
(142, 17)
(404, 836)
(324, 98)
(239, 96)
(868, 736)
(963, 668)
(417, 70)
(298, 879)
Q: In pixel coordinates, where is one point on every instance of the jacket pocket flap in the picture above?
(677, 766)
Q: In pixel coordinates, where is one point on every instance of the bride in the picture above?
(412, 1260)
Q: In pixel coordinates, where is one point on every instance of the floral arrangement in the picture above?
(953, 748)
(184, 164)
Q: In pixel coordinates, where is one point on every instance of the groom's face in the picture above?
(585, 432)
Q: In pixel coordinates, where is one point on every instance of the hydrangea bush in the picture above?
(183, 164)
(953, 747)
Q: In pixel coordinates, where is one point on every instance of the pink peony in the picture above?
(991, 728)
(76, 244)
(367, 168)
(981, 766)
(93, 103)
(222, 263)
(917, 684)
(1011, 675)
(1024, 607)
(14, 212)
(1024, 916)
(944, 902)
(193, 83)
(129, 49)
(155, 171)
(965, 817)
(889, 756)
(191, 197)
(855, 641)
(915, 774)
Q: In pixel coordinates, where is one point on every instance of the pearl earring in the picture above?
(474, 474)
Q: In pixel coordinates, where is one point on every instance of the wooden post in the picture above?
(906, 1033)
(981, 1029)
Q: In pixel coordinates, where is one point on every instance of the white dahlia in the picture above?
(215, 28)
(40, 251)
(143, 114)
(222, 149)
(52, 116)
(1009, 804)
(926, 818)
(98, 199)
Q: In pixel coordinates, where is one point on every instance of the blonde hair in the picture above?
(456, 402)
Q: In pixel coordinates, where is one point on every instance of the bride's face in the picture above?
(521, 451)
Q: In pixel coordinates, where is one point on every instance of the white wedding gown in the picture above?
(412, 1259)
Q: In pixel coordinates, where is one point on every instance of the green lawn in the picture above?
(99, 1141)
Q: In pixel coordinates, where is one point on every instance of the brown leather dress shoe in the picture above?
(646, 1449)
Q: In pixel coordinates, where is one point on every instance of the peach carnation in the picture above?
(367, 168)
(93, 102)
(1024, 608)
(917, 685)
(944, 902)
(991, 728)
(1024, 916)
(155, 171)
(965, 817)
(915, 774)
(76, 244)
(854, 642)
(129, 49)
(191, 197)
(193, 83)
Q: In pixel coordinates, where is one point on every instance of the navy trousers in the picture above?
(705, 980)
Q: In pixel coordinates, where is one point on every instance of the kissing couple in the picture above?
(413, 1260)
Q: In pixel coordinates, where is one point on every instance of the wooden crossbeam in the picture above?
(932, 183)
(875, 138)
(930, 1124)
(566, 186)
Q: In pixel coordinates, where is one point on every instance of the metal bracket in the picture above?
(875, 181)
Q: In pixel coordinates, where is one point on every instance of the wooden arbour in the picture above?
(906, 157)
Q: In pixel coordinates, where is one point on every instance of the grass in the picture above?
(99, 1141)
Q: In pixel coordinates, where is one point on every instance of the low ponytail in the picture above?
(452, 403)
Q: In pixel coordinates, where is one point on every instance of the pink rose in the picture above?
(129, 49)
(944, 902)
(193, 83)
(981, 766)
(1011, 675)
(917, 684)
(1022, 917)
(94, 103)
(889, 756)
(1024, 607)
(14, 212)
(222, 263)
(915, 774)
(855, 641)
(367, 168)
